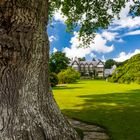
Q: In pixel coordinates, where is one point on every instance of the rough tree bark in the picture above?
(27, 109)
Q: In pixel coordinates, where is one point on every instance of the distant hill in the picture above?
(128, 72)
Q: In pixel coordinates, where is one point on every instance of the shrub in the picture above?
(68, 76)
(138, 80)
(53, 79)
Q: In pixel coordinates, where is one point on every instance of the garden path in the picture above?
(90, 132)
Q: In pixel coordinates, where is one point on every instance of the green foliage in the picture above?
(53, 79)
(68, 76)
(93, 59)
(86, 14)
(121, 63)
(128, 72)
(90, 15)
(58, 61)
(109, 63)
(53, 5)
(82, 59)
(135, 9)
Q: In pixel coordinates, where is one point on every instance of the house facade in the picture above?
(90, 69)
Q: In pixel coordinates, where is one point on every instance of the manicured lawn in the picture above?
(114, 106)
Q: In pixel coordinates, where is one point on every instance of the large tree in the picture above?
(27, 107)
(109, 63)
(58, 61)
(28, 110)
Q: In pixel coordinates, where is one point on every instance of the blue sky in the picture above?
(120, 41)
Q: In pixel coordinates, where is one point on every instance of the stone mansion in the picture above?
(92, 69)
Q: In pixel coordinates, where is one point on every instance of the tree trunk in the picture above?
(28, 110)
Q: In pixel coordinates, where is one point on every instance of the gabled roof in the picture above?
(99, 61)
(94, 63)
(74, 62)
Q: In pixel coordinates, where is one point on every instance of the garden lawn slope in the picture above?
(114, 106)
(128, 72)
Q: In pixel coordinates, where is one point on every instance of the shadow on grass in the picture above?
(128, 99)
(65, 87)
(118, 112)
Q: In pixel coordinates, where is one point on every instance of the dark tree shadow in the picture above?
(65, 87)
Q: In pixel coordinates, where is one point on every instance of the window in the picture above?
(82, 67)
(100, 73)
(100, 69)
(75, 66)
(86, 67)
(91, 67)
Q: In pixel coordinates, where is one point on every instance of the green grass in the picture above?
(114, 106)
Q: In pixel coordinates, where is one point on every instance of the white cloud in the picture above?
(58, 16)
(92, 55)
(54, 50)
(52, 38)
(137, 32)
(124, 56)
(120, 40)
(98, 45)
(100, 41)
(125, 10)
(128, 22)
(103, 58)
(125, 20)
(110, 36)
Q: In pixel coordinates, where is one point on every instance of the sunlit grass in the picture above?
(114, 106)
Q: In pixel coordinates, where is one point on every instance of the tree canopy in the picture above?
(58, 61)
(109, 63)
(90, 15)
(82, 59)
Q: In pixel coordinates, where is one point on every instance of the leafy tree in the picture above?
(93, 59)
(27, 108)
(82, 59)
(68, 76)
(109, 63)
(58, 61)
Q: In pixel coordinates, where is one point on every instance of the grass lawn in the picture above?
(114, 106)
